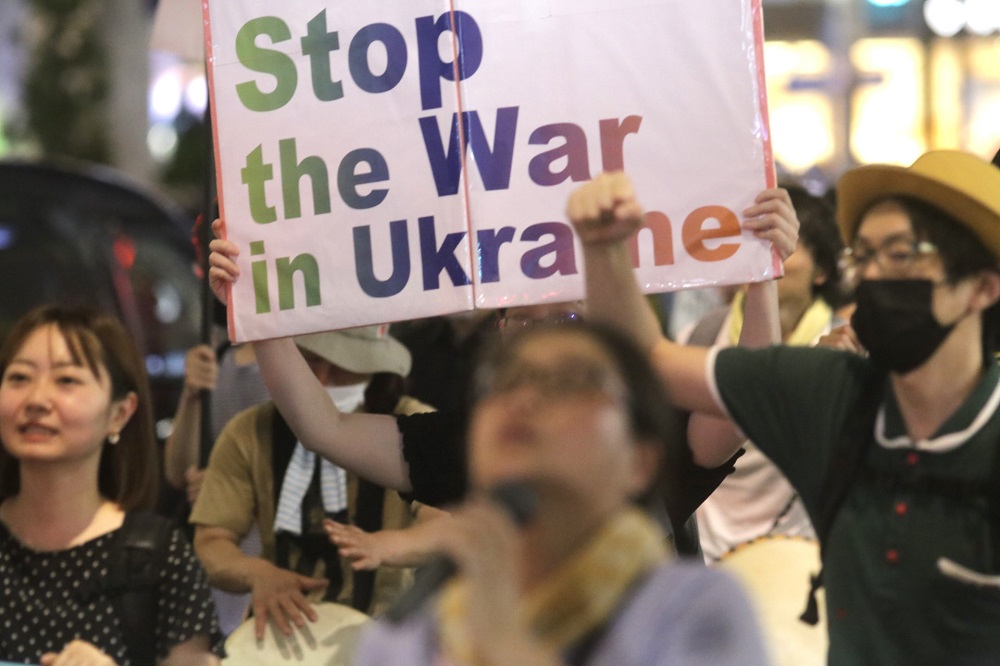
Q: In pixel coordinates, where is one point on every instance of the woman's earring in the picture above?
(113, 438)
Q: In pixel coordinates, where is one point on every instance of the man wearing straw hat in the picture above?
(259, 474)
(895, 451)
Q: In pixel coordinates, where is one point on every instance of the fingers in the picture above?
(200, 368)
(223, 270)
(605, 209)
(259, 620)
(842, 338)
(77, 653)
(222, 259)
(772, 217)
(366, 551)
(278, 594)
(274, 609)
(292, 609)
(341, 534)
(601, 195)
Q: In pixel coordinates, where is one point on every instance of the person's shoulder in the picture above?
(684, 584)
(686, 608)
(796, 356)
(257, 418)
(262, 410)
(687, 571)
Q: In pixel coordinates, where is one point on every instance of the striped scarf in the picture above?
(299, 473)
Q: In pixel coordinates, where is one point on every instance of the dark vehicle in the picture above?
(90, 236)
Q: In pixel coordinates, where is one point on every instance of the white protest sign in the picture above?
(384, 161)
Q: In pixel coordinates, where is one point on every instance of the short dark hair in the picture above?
(128, 472)
(819, 234)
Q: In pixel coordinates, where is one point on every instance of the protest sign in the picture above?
(385, 161)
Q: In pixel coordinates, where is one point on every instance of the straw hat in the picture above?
(961, 184)
(363, 350)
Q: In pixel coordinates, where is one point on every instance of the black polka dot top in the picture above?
(48, 599)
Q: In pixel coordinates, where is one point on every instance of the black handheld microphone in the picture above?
(517, 498)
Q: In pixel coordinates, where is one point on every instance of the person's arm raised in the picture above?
(370, 445)
(771, 217)
(605, 214)
(181, 450)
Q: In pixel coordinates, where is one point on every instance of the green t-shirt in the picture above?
(887, 602)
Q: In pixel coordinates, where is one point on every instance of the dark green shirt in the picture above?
(887, 602)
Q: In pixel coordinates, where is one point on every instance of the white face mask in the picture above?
(347, 398)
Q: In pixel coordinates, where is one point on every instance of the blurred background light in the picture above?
(888, 114)
(162, 141)
(945, 18)
(196, 96)
(165, 95)
(982, 17)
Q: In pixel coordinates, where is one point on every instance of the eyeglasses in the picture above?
(896, 257)
(562, 381)
(521, 321)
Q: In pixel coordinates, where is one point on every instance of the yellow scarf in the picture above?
(815, 321)
(580, 597)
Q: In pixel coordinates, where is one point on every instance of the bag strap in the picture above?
(842, 473)
(137, 554)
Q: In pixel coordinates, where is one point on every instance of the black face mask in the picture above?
(895, 323)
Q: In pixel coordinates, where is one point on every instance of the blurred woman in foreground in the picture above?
(575, 414)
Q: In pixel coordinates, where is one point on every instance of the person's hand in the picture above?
(200, 368)
(483, 541)
(605, 210)
(843, 338)
(368, 551)
(279, 594)
(772, 217)
(223, 270)
(77, 653)
(365, 550)
(193, 479)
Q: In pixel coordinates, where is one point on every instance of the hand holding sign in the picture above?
(224, 270)
(772, 217)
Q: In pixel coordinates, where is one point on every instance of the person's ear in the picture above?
(121, 411)
(987, 291)
(819, 277)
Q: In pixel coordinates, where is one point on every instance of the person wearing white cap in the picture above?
(260, 474)
(895, 451)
